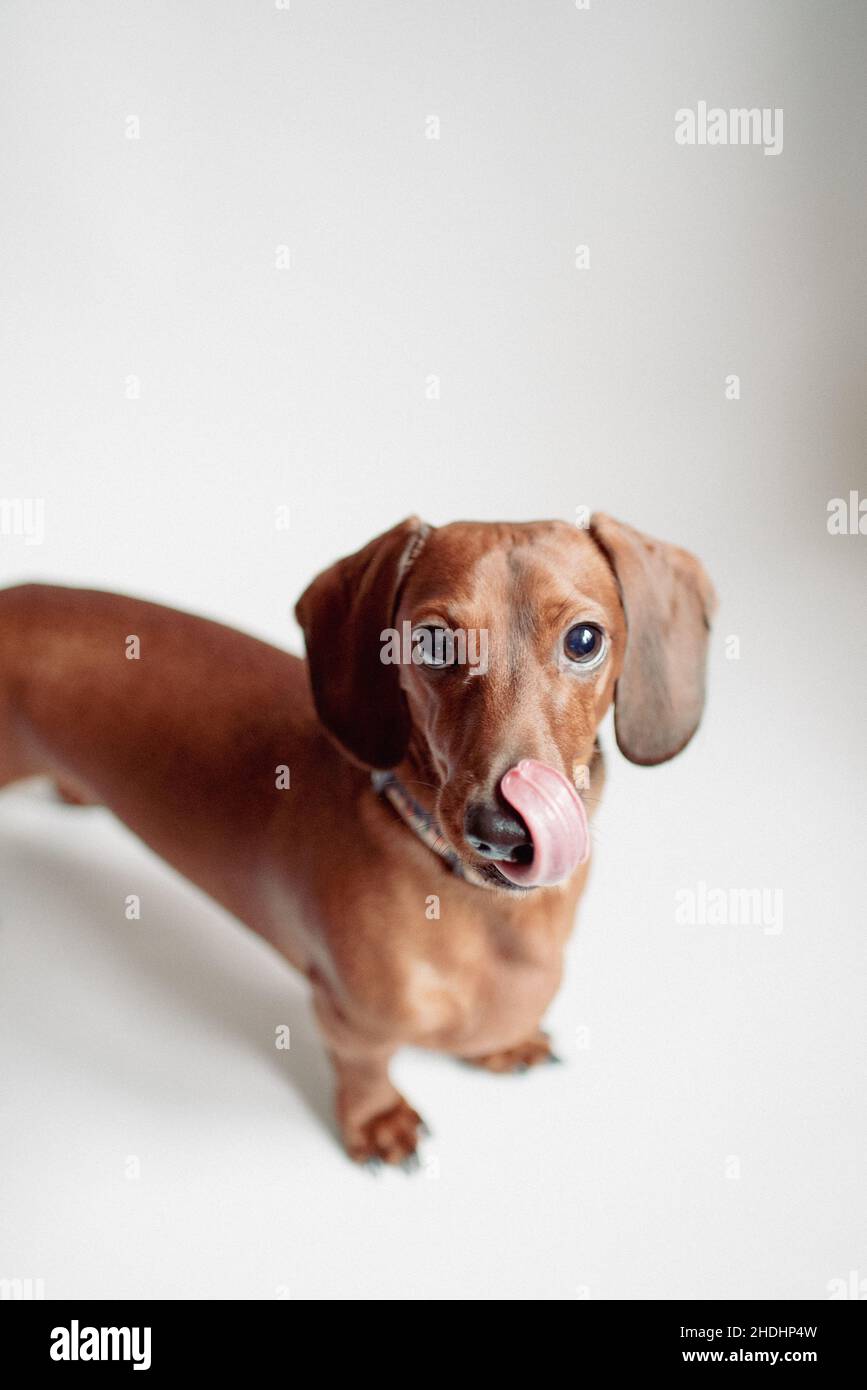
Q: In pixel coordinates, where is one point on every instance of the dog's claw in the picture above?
(516, 1060)
(388, 1138)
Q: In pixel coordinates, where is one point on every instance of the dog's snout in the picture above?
(495, 832)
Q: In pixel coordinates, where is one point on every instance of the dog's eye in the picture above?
(433, 647)
(585, 644)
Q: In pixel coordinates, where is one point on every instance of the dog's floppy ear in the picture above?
(343, 612)
(669, 601)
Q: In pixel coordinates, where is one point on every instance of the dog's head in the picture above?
(481, 657)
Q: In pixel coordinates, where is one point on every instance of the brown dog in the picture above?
(450, 938)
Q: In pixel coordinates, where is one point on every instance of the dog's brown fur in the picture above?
(184, 743)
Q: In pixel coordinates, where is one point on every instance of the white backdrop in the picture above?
(240, 276)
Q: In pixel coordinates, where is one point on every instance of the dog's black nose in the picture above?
(497, 833)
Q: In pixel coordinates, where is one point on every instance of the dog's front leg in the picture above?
(376, 1123)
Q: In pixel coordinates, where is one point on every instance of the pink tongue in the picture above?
(555, 817)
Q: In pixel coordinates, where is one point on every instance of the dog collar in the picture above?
(423, 823)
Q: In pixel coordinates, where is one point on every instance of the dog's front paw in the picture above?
(518, 1058)
(390, 1137)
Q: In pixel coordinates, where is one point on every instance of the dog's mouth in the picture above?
(495, 876)
(556, 819)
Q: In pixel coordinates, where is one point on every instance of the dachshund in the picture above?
(404, 821)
